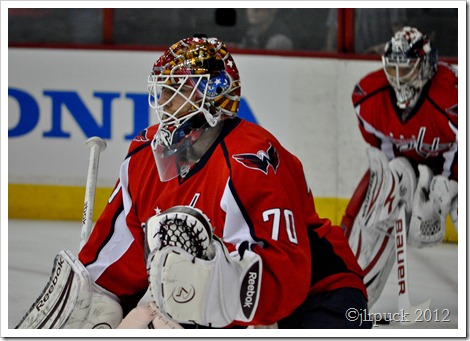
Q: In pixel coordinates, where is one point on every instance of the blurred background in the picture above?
(74, 73)
(360, 30)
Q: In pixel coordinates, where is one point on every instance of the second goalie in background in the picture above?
(408, 114)
(252, 190)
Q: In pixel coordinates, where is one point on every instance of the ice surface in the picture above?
(32, 246)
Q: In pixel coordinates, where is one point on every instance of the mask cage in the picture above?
(189, 89)
(402, 71)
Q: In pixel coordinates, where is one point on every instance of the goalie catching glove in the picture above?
(193, 277)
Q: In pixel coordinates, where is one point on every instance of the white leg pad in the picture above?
(372, 237)
(71, 300)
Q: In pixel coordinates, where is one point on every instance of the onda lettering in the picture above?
(71, 104)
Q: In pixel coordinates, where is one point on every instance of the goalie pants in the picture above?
(336, 309)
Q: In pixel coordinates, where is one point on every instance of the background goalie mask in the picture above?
(410, 61)
(193, 87)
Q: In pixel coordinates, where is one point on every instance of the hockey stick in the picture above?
(61, 295)
(96, 145)
(408, 311)
(138, 317)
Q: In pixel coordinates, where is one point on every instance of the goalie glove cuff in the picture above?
(212, 292)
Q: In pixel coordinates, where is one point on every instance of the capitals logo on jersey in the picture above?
(261, 160)
(426, 150)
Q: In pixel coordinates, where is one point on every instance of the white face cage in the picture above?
(402, 72)
(405, 76)
(178, 145)
(177, 98)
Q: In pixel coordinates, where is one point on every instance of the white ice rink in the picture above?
(32, 246)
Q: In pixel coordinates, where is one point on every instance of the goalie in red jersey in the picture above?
(407, 113)
(213, 218)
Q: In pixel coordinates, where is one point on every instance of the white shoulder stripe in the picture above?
(386, 146)
(122, 238)
(236, 229)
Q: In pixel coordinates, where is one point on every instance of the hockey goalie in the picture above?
(407, 113)
(211, 223)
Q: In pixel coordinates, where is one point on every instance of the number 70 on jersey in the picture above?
(276, 215)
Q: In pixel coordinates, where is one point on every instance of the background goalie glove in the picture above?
(431, 205)
(211, 288)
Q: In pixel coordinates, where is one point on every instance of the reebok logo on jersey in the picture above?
(261, 160)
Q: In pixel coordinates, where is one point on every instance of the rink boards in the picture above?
(59, 98)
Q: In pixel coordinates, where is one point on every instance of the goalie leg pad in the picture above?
(390, 183)
(105, 312)
(372, 236)
(212, 292)
(71, 300)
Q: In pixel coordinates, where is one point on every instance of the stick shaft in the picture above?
(404, 302)
(402, 260)
(96, 145)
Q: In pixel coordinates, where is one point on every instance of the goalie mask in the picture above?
(410, 61)
(193, 87)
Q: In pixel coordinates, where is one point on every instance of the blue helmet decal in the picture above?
(217, 85)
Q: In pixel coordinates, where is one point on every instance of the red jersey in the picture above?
(427, 136)
(252, 190)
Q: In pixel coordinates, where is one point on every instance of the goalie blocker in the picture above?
(71, 300)
(193, 277)
(435, 197)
